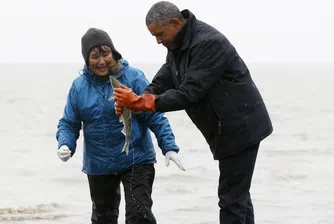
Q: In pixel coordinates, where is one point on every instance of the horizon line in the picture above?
(157, 62)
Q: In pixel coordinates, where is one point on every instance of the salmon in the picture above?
(125, 118)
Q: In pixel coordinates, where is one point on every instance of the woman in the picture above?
(88, 106)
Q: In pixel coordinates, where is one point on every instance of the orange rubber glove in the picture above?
(127, 98)
(118, 108)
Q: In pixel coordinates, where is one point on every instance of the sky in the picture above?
(260, 30)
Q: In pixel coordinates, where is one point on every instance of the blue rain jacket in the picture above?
(88, 107)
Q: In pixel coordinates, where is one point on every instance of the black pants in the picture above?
(236, 173)
(106, 197)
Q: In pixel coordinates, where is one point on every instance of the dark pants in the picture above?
(235, 178)
(106, 196)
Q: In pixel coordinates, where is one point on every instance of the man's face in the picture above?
(165, 34)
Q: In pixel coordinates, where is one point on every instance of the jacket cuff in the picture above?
(167, 150)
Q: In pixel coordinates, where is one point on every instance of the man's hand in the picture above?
(172, 155)
(127, 98)
(118, 108)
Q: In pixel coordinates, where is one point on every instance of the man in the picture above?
(204, 75)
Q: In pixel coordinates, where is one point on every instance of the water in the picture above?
(292, 180)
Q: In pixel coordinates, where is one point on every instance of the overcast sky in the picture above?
(261, 30)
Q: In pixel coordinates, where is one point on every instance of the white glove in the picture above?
(172, 155)
(64, 153)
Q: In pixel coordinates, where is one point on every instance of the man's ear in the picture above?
(175, 21)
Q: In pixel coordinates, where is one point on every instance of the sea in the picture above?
(293, 180)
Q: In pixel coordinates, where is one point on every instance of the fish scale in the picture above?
(125, 118)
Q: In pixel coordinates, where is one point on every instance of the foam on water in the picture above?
(38, 212)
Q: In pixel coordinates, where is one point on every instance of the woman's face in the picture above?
(100, 59)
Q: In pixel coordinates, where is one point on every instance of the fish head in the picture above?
(114, 82)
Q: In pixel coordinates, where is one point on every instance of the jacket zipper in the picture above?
(104, 95)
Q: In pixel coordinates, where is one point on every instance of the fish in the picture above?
(125, 118)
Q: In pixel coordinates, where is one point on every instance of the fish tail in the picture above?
(126, 148)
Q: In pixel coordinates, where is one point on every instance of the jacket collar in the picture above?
(190, 28)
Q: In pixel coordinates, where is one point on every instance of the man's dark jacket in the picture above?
(208, 79)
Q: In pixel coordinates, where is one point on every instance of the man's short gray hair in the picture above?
(162, 12)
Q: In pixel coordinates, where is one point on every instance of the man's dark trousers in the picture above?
(235, 178)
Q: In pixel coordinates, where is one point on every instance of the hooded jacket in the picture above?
(207, 77)
(88, 107)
